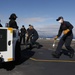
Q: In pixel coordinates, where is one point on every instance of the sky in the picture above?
(42, 14)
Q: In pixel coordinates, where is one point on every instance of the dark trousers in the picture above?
(67, 42)
(22, 38)
(33, 40)
(27, 39)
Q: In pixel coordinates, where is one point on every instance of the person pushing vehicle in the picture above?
(65, 28)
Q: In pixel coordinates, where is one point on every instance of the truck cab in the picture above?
(9, 45)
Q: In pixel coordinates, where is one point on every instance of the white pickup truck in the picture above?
(9, 45)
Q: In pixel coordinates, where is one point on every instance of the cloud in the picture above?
(35, 20)
(32, 20)
(0, 16)
(49, 30)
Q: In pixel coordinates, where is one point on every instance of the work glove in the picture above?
(66, 31)
(55, 37)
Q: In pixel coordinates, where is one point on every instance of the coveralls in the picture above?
(66, 38)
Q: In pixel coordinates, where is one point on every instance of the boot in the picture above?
(55, 55)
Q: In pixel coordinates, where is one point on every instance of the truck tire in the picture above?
(17, 52)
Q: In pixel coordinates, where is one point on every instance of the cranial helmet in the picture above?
(13, 16)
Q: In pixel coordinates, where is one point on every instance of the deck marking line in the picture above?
(52, 60)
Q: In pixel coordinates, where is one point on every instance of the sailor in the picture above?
(12, 22)
(29, 33)
(65, 28)
(0, 24)
(22, 34)
(33, 35)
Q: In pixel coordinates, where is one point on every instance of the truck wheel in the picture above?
(8, 65)
(17, 52)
